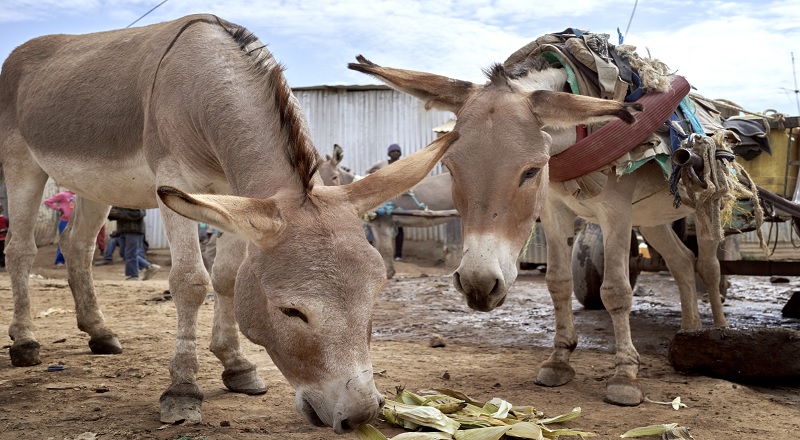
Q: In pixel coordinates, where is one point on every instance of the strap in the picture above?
(616, 137)
(636, 86)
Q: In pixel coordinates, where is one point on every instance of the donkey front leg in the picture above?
(239, 374)
(617, 294)
(77, 243)
(557, 221)
(189, 284)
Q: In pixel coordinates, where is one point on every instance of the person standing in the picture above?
(394, 152)
(64, 203)
(131, 229)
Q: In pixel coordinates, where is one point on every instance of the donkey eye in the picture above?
(530, 174)
(294, 313)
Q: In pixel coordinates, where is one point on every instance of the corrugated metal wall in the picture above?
(782, 231)
(155, 234)
(364, 121)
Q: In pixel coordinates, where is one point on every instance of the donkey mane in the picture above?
(499, 74)
(301, 155)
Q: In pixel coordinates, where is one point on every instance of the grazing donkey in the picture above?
(433, 194)
(510, 129)
(199, 105)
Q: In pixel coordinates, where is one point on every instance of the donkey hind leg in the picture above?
(681, 264)
(239, 374)
(189, 284)
(708, 269)
(25, 182)
(557, 221)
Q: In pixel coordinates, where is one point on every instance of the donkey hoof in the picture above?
(25, 354)
(105, 345)
(623, 392)
(244, 381)
(554, 374)
(181, 403)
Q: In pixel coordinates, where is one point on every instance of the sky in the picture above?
(739, 50)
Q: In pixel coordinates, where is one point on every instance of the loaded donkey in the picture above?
(519, 156)
(195, 116)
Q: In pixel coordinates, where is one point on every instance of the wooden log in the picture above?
(426, 213)
(792, 307)
(762, 355)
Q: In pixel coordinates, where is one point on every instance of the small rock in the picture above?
(446, 375)
(225, 423)
(778, 280)
(437, 341)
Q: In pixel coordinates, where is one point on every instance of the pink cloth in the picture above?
(64, 202)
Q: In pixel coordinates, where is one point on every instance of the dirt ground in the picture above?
(486, 355)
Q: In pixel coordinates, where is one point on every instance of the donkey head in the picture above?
(306, 288)
(329, 171)
(499, 161)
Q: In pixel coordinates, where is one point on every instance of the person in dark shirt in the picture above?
(130, 236)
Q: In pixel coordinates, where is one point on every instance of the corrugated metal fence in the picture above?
(364, 121)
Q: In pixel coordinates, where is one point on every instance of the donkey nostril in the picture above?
(345, 426)
(457, 282)
(496, 289)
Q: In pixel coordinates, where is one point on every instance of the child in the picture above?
(63, 202)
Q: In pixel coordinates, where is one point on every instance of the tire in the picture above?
(588, 264)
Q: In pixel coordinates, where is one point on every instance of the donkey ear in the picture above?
(435, 91)
(254, 219)
(562, 110)
(400, 176)
(338, 154)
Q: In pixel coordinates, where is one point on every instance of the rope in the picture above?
(714, 196)
(420, 205)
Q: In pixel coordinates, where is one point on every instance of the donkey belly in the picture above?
(651, 204)
(128, 183)
(657, 210)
